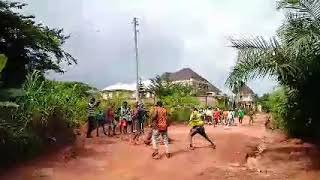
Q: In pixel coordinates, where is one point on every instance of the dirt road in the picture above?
(110, 158)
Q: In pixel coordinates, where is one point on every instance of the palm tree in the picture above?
(292, 58)
(283, 57)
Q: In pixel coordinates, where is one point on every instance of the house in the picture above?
(206, 92)
(246, 96)
(126, 90)
(187, 76)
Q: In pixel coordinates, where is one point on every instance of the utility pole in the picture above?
(135, 25)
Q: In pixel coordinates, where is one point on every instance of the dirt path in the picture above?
(109, 158)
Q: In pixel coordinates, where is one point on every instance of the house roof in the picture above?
(125, 87)
(186, 74)
(246, 90)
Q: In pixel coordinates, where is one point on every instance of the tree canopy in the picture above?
(28, 46)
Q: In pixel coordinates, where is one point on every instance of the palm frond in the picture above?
(298, 34)
(283, 4)
(259, 58)
(310, 7)
(306, 9)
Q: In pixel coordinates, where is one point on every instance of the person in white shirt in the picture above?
(231, 115)
(209, 115)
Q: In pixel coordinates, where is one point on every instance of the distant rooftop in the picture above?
(125, 86)
(246, 90)
(186, 74)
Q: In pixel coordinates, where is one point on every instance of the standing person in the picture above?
(100, 122)
(231, 116)
(125, 117)
(251, 113)
(91, 116)
(216, 116)
(116, 120)
(110, 120)
(197, 127)
(241, 115)
(160, 128)
(139, 116)
(225, 117)
(209, 116)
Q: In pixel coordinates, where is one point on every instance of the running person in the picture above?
(197, 127)
(160, 128)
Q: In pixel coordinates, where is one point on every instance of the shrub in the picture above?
(46, 109)
(181, 114)
(275, 102)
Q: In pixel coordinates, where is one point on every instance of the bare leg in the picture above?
(109, 129)
(104, 130)
(155, 145)
(166, 143)
(204, 134)
(114, 129)
(98, 130)
(191, 134)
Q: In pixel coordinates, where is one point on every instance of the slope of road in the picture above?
(110, 158)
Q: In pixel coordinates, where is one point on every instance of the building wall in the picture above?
(199, 87)
(207, 100)
(130, 95)
(112, 94)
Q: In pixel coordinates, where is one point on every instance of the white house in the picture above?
(128, 90)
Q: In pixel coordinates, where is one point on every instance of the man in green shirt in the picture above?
(197, 127)
(241, 115)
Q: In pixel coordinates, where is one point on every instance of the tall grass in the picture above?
(46, 109)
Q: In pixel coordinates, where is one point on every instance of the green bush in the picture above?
(181, 114)
(46, 109)
(275, 103)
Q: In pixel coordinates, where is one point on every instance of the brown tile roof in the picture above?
(186, 74)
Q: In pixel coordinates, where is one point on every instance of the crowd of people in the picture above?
(128, 122)
(225, 117)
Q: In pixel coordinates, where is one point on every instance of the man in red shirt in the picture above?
(216, 116)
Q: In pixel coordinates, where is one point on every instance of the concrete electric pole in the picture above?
(135, 25)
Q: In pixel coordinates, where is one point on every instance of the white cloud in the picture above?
(173, 34)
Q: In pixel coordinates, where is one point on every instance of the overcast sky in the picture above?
(173, 34)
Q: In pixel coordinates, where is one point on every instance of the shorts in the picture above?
(108, 121)
(129, 123)
(198, 130)
(123, 123)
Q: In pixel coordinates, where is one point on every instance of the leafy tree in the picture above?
(293, 59)
(159, 87)
(28, 45)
